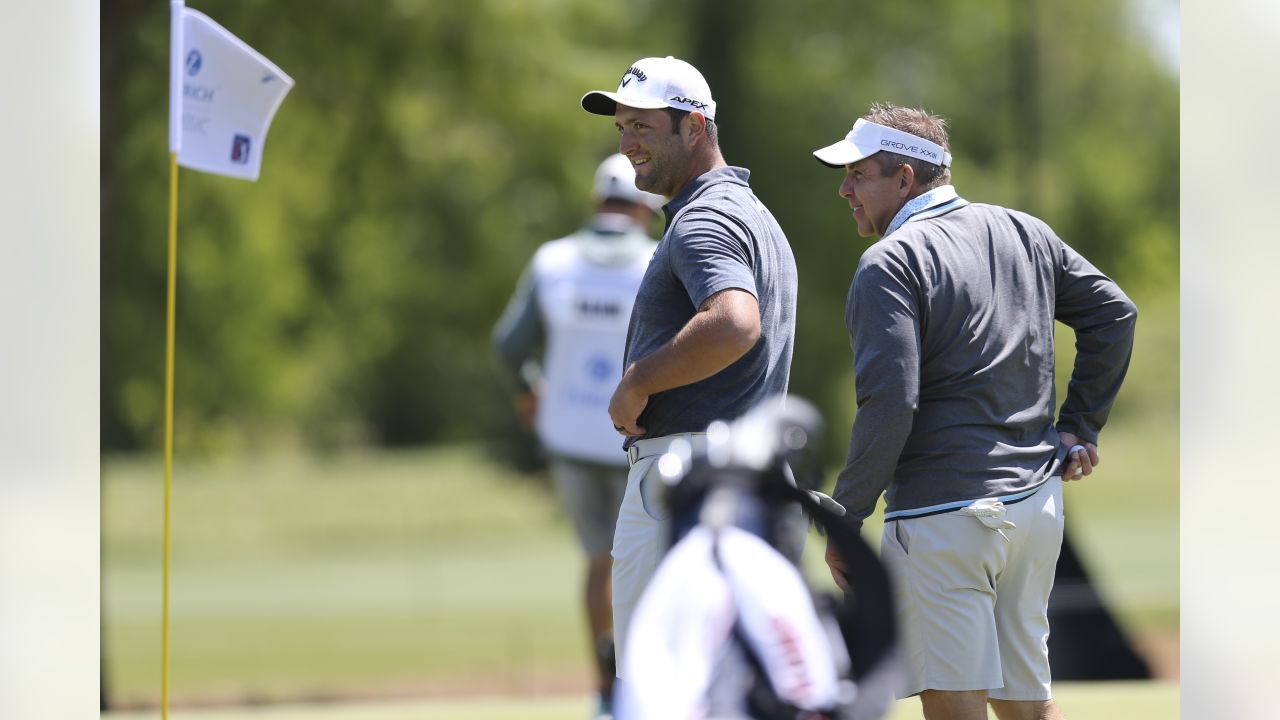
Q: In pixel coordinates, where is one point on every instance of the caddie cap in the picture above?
(868, 138)
(616, 179)
(654, 83)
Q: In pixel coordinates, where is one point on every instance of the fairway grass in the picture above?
(404, 572)
(437, 573)
(1079, 701)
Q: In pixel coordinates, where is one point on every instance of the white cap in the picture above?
(868, 138)
(616, 178)
(654, 83)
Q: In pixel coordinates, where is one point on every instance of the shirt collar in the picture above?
(729, 174)
(935, 202)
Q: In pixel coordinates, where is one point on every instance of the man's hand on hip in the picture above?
(1082, 457)
(726, 327)
(626, 405)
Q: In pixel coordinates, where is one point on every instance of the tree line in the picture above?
(428, 148)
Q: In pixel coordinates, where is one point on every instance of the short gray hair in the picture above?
(920, 123)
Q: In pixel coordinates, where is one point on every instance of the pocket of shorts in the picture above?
(902, 536)
(653, 492)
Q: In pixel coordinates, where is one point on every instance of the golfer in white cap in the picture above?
(712, 327)
(951, 316)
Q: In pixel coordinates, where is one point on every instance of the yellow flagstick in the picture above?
(175, 144)
(168, 423)
(222, 58)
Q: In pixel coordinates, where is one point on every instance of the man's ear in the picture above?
(697, 126)
(907, 179)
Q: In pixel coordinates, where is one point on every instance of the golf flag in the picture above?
(222, 96)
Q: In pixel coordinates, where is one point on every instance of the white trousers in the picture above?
(639, 542)
(643, 536)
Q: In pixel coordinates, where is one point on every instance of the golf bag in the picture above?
(728, 627)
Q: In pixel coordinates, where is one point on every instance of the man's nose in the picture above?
(626, 144)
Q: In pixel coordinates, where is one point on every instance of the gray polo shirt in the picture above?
(719, 236)
(951, 319)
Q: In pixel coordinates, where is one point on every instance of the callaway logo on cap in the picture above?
(654, 83)
(868, 138)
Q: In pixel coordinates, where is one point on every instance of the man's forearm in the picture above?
(879, 432)
(1103, 351)
(714, 338)
(519, 332)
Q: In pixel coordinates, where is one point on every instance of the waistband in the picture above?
(649, 447)
(953, 506)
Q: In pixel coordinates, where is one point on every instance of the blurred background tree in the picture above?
(346, 299)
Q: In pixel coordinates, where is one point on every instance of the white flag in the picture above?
(223, 95)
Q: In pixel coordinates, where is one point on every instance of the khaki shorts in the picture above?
(973, 600)
(590, 494)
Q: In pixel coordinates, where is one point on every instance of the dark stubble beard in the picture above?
(664, 166)
(657, 180)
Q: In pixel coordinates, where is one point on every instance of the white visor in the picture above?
(868, 138)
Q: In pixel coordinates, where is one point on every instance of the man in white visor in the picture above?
(951, 316)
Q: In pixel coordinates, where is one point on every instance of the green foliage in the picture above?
(346, 297)
(1059, 109)
(428, 148)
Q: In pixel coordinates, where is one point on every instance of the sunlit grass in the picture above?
(437, 571)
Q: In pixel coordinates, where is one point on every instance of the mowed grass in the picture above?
(298, 577)
(438, 573)
(1079, 701)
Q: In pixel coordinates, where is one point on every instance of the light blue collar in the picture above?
(938, 201)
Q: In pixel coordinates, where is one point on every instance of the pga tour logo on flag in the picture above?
(225, 94)
(240, 149)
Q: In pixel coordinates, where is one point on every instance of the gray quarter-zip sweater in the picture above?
(951, 320)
